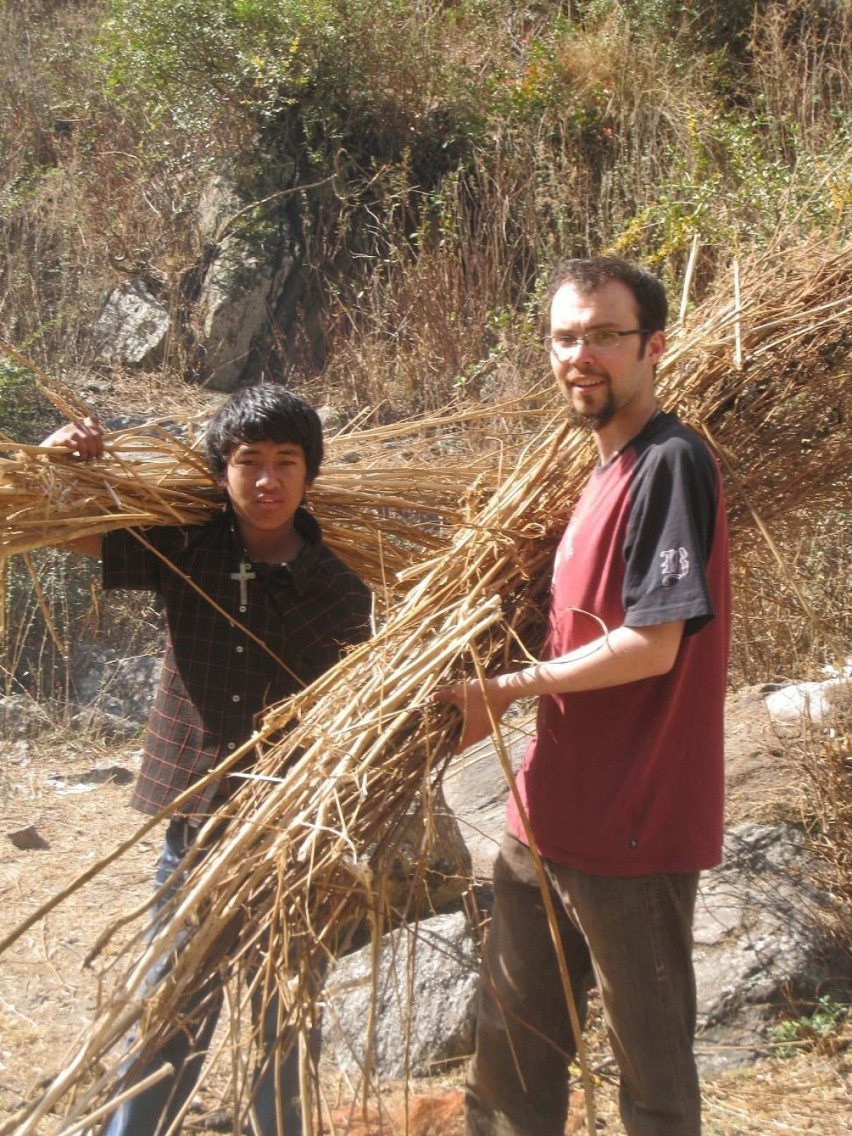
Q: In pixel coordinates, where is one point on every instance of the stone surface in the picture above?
(802, 705)
(133, 326)
(429, 866)
(21, 717)
(119, 689)
(425, 983)
(242, 286)
(27, 839)
(476, 789)
(760, 940)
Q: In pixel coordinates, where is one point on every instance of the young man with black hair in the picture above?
(623, 782)
(284, 610)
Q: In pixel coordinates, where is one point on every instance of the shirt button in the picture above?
(235, 697)
(243, 608)
(232, 745)
(240, 649)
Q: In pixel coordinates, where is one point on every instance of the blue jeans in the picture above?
(276, 1082)
(630, 935)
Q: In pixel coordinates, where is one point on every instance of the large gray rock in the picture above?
(476, 789)
(251, 256)
(760, 940)
(133, 327)
(419, 1000)
(22, 717)
(244, 281)
(800, 706)
(427, 864)
(118, 688)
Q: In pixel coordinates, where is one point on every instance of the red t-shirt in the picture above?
(629, 780)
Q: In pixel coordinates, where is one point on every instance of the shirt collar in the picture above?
(301, 570)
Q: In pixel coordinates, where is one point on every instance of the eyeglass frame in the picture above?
(585, 339)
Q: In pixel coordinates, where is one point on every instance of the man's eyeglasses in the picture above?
(600, 340)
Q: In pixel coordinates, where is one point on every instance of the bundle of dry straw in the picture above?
(385, 494)
(303, 857)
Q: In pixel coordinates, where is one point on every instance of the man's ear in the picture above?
(655, 346)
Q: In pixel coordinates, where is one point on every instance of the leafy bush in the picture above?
(360, 76)
(25, 415)
(493, 135)
(820, 1030)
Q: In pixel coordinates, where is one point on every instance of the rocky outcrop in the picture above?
(761, 941)
(133, 326)
(114, 693)
(224, 311)
(798, 707)
(248, 270)
(410, 1013)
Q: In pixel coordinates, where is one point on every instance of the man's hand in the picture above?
(474, 701)
(84, 438)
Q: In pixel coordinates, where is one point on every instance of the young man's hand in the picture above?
(481, 707)
(85, 438)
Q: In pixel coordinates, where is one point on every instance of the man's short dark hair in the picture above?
(265, 412)
(589, 274)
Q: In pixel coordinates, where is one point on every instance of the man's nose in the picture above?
(268, 475)
(581, 351)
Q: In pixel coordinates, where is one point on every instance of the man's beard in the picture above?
(596, 420)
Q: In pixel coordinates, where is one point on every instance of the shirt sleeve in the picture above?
(670, 535)
(128, 563)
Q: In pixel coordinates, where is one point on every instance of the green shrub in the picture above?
(25, 415)
(817, 1030)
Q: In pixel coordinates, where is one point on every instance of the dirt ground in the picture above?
(47, 995)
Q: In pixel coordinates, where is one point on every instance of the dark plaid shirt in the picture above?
(215, 679)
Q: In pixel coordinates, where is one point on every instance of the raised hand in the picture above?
(84, 438)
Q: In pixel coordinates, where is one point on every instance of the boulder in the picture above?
(411, 1013)
(133, 327)
(119, 690)
(428, 865)
(476, 790)
(246, 274)
(798, 706)
(238, 289)
(27, 839)
(760, 941)
(22, 717)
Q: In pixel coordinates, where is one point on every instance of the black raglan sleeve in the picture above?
(670, 534)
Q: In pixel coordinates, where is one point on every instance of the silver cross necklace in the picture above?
(243, 576)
